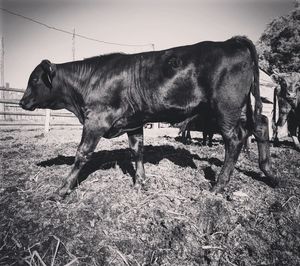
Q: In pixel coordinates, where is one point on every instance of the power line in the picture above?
(72, 33)
(73, 45)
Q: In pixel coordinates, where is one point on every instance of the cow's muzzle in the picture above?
(29, 106)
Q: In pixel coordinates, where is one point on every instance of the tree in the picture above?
(279, 46)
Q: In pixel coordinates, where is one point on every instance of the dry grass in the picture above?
(177, 221)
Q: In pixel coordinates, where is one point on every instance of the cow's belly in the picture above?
(171, 114)
(123, 125)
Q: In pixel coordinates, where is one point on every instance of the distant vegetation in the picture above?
(279, 45)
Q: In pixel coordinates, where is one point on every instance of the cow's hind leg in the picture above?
(136, 143)
(89, 141)
(210, 139)
(204, 134)
(246, 146)
(293, 128)
(275, 135)
(261, 133)
(234, 139)
(188, 137)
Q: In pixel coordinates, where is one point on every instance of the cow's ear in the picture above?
(49, 68)
(275, 77)
(278, 78)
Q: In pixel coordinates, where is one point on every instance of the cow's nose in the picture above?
(21, 103)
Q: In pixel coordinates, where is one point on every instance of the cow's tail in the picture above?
(255, 84)
(274, 111)
(185, 125)
(182, 128)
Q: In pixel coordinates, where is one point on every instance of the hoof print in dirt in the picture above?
(276, 207)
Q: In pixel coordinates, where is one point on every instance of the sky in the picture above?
(165, 23)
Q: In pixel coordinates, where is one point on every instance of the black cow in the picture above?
(118, 93)
(288, 93)
(202, 123)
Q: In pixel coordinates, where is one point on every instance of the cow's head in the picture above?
(39, 92)
(288, 93)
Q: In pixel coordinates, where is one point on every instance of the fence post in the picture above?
(2, 117)
(6, 96)
(155, 125)
(47, 121)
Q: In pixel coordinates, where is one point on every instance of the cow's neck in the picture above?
(68, 84)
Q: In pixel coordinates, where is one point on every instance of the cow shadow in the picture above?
(107, 159)
(198, 141)
(215, 141)
(284, 144)
(210, 174)
(258, 176)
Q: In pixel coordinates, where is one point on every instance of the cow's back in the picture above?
(174, 84)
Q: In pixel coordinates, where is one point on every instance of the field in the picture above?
(176, 221)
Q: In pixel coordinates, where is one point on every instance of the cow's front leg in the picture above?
(296, 143)
(293, 131)
(89, 141)
(210, 139)
(275, 132)
(204, 134)
(136, 143)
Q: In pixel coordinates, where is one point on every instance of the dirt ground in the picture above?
(177, 221)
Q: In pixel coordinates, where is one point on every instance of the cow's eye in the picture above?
(35, 80)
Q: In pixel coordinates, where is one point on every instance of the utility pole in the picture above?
(73, 45)
(2, 63)
(2, 107)
(155, 125)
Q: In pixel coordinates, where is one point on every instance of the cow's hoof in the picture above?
(297, 148)
(276, 143)
(218, 188)
(145, 186)
(64, 191)
(55, 197)
(141, 185)
(137, 188)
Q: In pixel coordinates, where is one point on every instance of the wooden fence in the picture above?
(12, 115)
